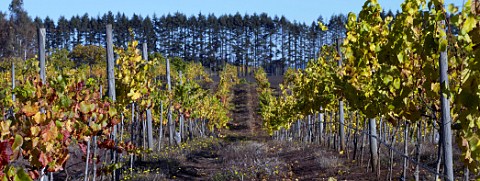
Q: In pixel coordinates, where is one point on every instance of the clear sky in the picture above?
(299, 10)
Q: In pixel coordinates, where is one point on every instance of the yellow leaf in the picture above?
(5, 127)
(34, 130)
(35, 141)
(68, 126)
(29, 110)
(51, 132)
(134, 94)
(436, 87)
(322, 26)
(39, 117)
(49, 147)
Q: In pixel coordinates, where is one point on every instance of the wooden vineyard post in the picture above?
(379, 139)
(363, 141)
(149, 110)
(320, 125)
(417, 150)
(41, 54)
(181, 117)
(316, 129)
(41, 59)
(373, 145)
(354, 134)
(446, 124)
(160, 129)
(132, 135)
(10, 112)
(13, 80)
(94, 158)
(309, 127)
(405, 150)
(87, 156)
(299, 130)
(348, 138)
(341, 113)
(149, 128)
(171, 124)
(110, 64)
(111, 85)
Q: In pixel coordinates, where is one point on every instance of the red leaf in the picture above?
(80, 85)
(43, 159)
(108, 144)
(5, 153)
(114, 121)
(66, 137)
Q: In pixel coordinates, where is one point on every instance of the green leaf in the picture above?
(95, 127)
(391, 107)
(400, 57)
(387, 79)
(10, 171)
(469, 24)
(83, 107)
(65, 101)
(112, 112)
(478, 122)
(443, 44)
(372, 47)
(18, 142)
(452, 9)
(22, 176)
(396, 83)
(474, 143)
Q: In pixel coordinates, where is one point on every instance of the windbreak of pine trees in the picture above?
(253, 40)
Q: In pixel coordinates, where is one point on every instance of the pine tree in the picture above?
(21, 34)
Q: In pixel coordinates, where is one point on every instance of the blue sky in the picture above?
(299, 10)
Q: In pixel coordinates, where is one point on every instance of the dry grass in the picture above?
(327, 161)
(249, 160)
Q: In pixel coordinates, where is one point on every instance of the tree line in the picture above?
(253, 40)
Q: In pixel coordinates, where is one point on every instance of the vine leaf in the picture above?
(469, 24)
(21, 176)
(30, 110)
(5, 153)
(18, 142)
